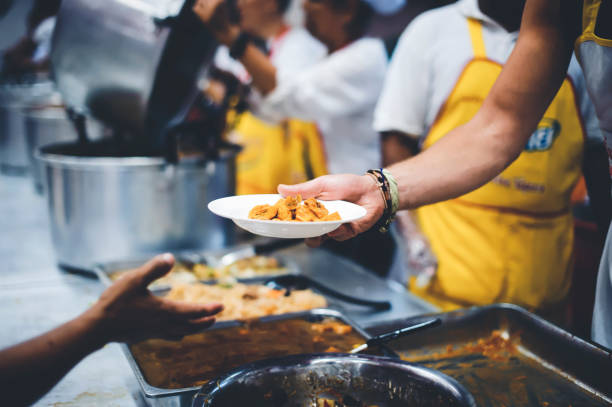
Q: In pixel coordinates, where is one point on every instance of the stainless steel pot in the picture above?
(14, 98)
(104, 207)
(297, 381)
(48, 125)
(132, 64)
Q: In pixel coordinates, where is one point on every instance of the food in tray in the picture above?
(183, 273)
(293, 208)
(250, 267)
(198, 358)
(242, 301)
(345, 401)
(498, 346)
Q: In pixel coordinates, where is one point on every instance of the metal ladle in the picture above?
(386, 337)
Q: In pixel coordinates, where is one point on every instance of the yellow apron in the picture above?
(288, 153)
(510, 240)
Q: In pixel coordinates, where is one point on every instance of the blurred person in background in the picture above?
(338, 92)
(474, 153)
(511, 240)
(125, 312)
(273, 153)
(30, 55)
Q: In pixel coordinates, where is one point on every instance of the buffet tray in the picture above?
(104, 270)
(538, 364)
(179, 397)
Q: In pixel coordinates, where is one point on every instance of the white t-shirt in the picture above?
(339, 93)
(429, 58)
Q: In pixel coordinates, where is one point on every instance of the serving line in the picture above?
(35, 296)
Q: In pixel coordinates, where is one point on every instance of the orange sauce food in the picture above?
(198, 358)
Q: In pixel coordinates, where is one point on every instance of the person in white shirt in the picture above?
(524, 236)
(339, 92)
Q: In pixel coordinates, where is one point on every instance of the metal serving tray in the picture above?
(160, 397)
(544, 366)
(104, 270)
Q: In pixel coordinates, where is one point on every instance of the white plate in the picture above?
(237, 209)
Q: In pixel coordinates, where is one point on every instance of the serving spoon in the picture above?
(386, 337)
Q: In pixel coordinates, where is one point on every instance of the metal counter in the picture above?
(36, 296)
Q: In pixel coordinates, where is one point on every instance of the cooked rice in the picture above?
(243, 301)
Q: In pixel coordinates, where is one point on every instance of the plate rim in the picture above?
(288, 222)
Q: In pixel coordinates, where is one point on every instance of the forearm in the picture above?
(261, 69)
(28, 370)
(476, 152)
(463, 160)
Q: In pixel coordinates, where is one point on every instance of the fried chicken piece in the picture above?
(283, 211)
(263, 212)
(303, 214)
(333, 216)
(316, 207)
(292, 202)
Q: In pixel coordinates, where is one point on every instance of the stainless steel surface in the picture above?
(346, 276)
(183, 397)
(540, 364)
(36, 296)
(14, 98)
(356, 380)
(47, 125)
(132, 64)
(112, 208)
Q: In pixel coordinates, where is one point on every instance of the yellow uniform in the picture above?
(289, 153)
(510, 240)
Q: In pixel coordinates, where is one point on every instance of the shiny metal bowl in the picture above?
(359, 380)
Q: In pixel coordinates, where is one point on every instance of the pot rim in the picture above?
(92, 162)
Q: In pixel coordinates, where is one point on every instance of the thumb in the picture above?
(155, 268)
(309, 189)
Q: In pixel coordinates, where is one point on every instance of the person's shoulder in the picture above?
(432, 23)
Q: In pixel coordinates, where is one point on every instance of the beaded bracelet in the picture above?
(389, 192)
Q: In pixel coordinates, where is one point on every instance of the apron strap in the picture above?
(590, 9)
(478, 45)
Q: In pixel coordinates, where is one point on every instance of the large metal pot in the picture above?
(14, 98)
(105, 207)
(131, 64)
(48, 125)
(297, 381)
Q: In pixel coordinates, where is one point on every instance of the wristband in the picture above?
(394, 189)
(390, 197)
(237, 49)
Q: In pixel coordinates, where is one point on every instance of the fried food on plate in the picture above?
(293, 208)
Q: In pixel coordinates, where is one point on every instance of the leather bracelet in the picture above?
(386, 189)
(239, 46)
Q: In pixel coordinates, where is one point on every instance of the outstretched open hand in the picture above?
(129, 312)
